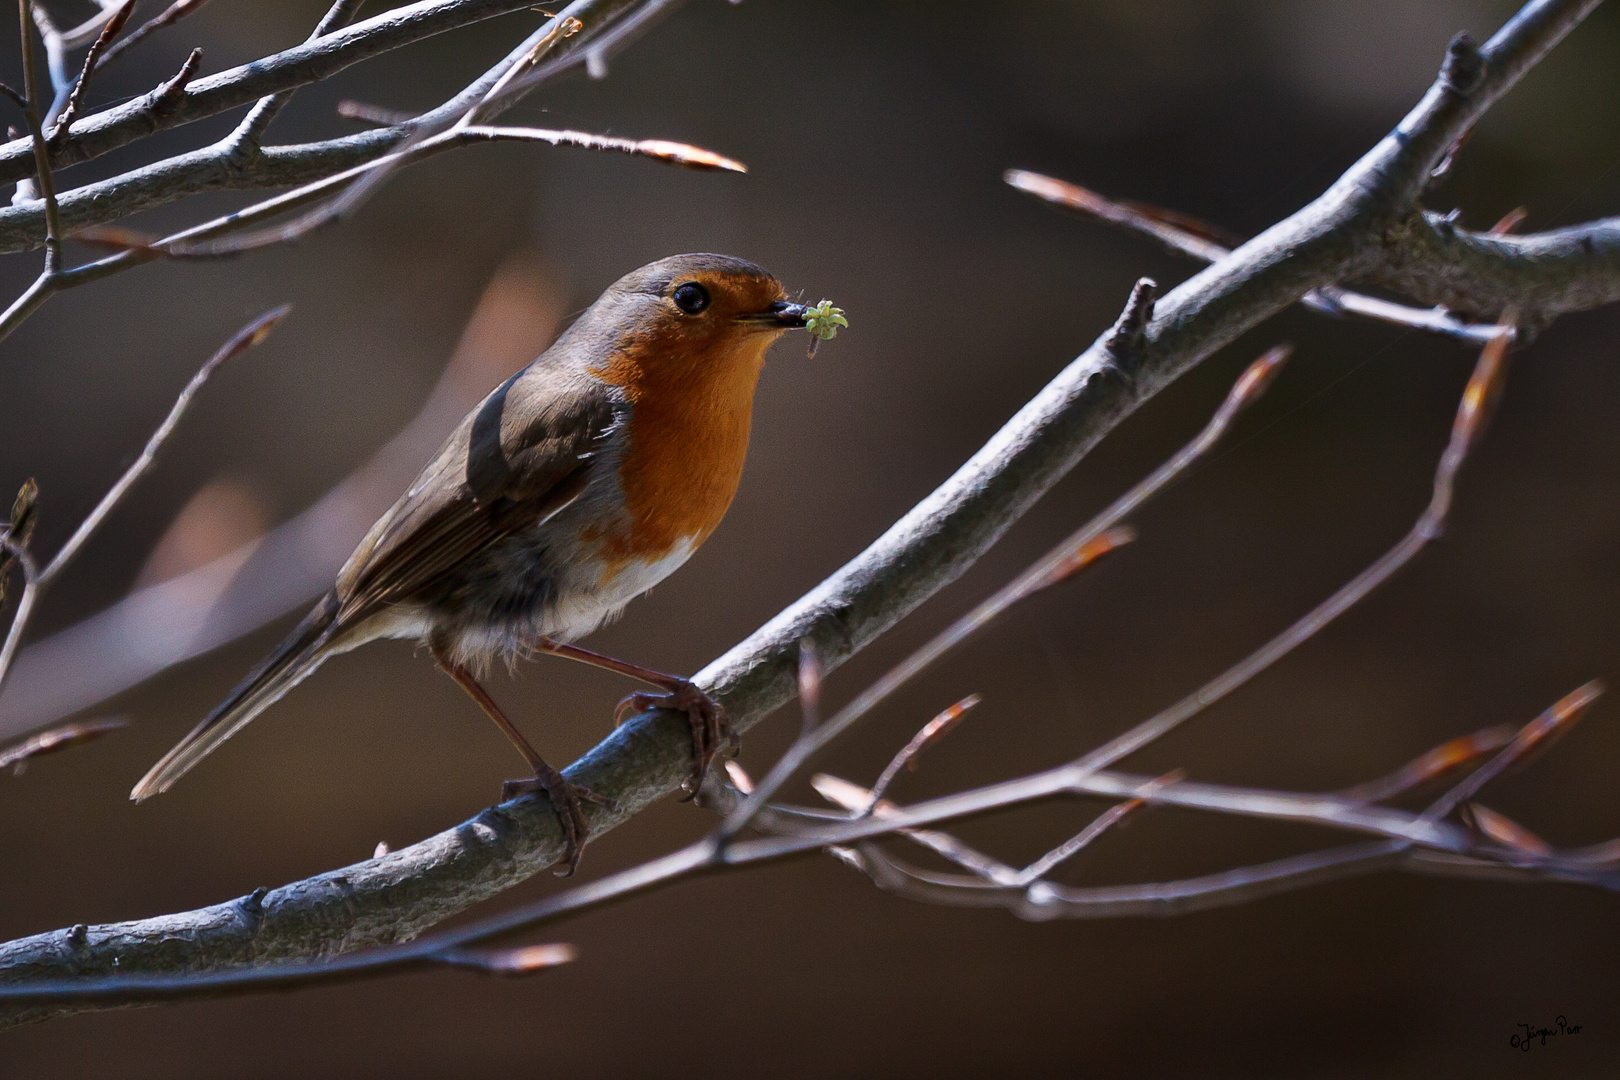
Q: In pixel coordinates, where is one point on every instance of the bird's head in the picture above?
(699, 317)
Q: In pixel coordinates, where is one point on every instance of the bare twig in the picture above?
(243, 143)
(480, 100)
(929, 734)
(39, 579)
(18, 529)
(1083, 547)
(14, 757)
(1472, 412)
(1186, 235)
(81, 86)
(661, 150)
(714, 853)
(16, 553)
(240, 153)
(238, 162)
(300, 65)
(818, 737)
(49, 275)
(42, 152)
(1536, 735)
(1452, 754)
(167, 17)
(986, 870)
(1444, 758)
(854, 798)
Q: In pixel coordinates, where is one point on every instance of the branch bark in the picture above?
(301, 65)
(1540, 275)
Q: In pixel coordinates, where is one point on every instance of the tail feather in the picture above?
(293, 661)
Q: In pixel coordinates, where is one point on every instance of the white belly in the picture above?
(585, 602)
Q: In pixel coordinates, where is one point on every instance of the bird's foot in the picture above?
(711, 731)
(569, 801)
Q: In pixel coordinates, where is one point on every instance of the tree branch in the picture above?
(37, 579)
(209, 169)
(443, 128)
(243, 143)
(1541, 275)
(301, 65)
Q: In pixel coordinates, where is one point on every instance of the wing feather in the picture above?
(520, 457)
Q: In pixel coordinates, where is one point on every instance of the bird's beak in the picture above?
(781, 315)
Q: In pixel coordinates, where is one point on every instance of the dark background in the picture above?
(876, 134)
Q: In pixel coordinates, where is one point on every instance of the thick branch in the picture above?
(1541, 275)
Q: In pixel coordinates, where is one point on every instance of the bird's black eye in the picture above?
(691, 297)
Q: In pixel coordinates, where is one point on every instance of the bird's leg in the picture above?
(710, 731)
(566, 798)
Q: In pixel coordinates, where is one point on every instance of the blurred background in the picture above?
(876, 134)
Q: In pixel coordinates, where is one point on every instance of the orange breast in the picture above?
(686, 442)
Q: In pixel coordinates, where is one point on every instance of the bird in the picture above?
(575, 486)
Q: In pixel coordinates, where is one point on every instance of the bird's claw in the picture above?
(711, 731)
(568, 800)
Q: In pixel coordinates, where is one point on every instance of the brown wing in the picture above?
(518, 458)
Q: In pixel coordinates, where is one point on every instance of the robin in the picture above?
(575, 486)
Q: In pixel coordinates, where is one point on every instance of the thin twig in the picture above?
(1188, 236)
(682, 155)
(1536, 735)
(986, 870)
(1093, 540)
(473, 103)
(49, 277)
(929, 734)
(193, 242)
(1472, 412)
(40, 579)
(42, 152)
(1452, 754)
(17, 755)
(18, 529)
(854, 798)
(713, 853)
(167, 17)
(25, 603)
(300, 65)
(243, 340)
(243, 143)
(81, 86)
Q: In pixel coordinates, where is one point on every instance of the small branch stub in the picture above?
(1124, 340)
(1464, 66)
